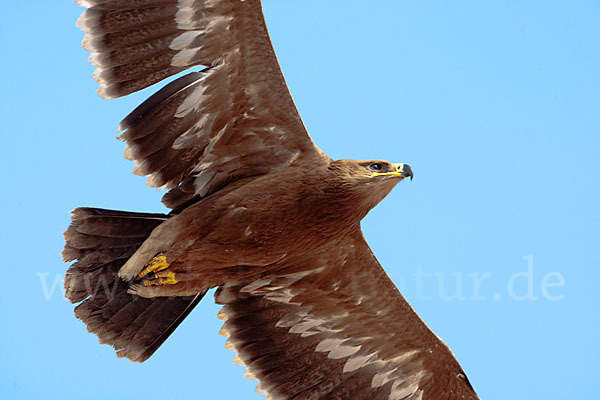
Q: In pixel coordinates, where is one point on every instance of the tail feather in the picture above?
(100, 242)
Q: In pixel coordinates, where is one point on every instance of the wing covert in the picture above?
(233, 120)
(338, 329)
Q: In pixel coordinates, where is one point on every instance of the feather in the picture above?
(101, 241)
(234, 120)
(315, 340)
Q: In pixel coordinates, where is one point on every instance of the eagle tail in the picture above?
(100, 242)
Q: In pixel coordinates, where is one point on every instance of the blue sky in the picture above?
(494, 104)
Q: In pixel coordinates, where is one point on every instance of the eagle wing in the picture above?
(337, 328)
(232, 120)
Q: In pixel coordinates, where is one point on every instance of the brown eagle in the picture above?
(258, 211)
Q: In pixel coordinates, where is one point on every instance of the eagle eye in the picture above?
(375, 166)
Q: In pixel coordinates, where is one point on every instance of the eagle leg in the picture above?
(158, 263)
(161, 278)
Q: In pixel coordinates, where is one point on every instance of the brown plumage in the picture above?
(258, 211)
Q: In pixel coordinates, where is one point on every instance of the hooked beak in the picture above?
(404, 170)
(400, 170)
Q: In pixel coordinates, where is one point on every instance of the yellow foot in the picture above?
(158, 263)
(161, 278)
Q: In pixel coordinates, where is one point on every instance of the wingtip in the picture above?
(100, 75)
(80, 21)
(128, 154)
(97, 60)
(87, 20)
(88, 44)
(105, 92)
(83, 3)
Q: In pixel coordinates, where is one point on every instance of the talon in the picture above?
(158, 263)
(162, 278)
(165, 274)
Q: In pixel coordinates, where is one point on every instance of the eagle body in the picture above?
(258, 211)
(269, 223)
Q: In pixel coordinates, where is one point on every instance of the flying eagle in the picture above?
(258, 212)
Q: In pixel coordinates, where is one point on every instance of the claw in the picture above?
(161, 278)
(158, 263)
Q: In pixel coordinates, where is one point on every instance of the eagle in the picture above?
(258, 212)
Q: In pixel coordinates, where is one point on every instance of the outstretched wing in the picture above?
(338, 329)
(232, 120)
